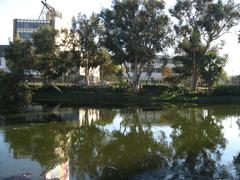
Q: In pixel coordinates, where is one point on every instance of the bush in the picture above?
(13, 90)
(227, 90)
(163, 89)
(92, 89)
(2, 73)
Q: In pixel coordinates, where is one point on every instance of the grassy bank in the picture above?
(121, 98)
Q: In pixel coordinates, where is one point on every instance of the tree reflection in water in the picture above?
(117, 154)
(196, 137)
(236, 159)
(236, 162)
(97, 152)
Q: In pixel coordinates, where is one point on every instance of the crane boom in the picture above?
(52, 10)
(49, 13)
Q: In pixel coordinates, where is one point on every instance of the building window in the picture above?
(25, 27)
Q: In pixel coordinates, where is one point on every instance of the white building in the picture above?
(3, 65)
(155, 73)
(94, 74)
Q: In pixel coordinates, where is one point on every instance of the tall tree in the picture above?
(135, 31)
(49, 63)
(199, 24)
(20, 61)
(86, 47)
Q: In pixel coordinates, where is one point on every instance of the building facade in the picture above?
(153, 74)
(24, 28)
(3, 64)
(94, 74)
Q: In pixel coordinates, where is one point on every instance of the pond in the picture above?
(165, 142)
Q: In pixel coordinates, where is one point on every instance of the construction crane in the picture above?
(49, 13)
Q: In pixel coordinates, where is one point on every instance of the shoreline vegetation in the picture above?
(148, 96)
(127, 44)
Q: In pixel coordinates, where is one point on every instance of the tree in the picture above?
(235, 80)
(212, 67)
(197, 140)
(20, 58)
(20, 61)
(49, 62)
(135, 31)
(86, 47)
(108, 68)
(200, 23)
(149, 68)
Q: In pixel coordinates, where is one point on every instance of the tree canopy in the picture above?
(135, 31)
(86, 48)
(199, 24)
(49, 63)
(20, 57)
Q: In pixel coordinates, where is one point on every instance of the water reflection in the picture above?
(78, 143)
(60, 172)
(196, 136)
(236, 162)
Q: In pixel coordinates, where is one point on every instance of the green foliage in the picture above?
(20, 61)
(92, 89)
(86, 48)
(227, 90)
(173, 79)
(49, 60)
(108, 68)
(212, 67)
(163, 89)
(12, 89)
(236, 163)
(135, 31)
(44, 39)
(200, 23)
(235, 80)
(20, 58)
(1, 73)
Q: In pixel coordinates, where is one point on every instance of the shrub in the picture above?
(91, 89)
(163, 89)
(227, 90)
(13, 90)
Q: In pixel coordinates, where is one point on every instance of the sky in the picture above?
(31, 9)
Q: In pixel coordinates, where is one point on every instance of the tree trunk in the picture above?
(194, 73)
(135, 80)
(135, 86)
(87, 77)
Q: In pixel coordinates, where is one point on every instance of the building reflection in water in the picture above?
(60, 172)
(84, 116)
(88, 116)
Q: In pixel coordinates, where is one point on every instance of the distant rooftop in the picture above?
(32, 20)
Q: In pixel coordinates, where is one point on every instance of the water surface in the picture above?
(171, 142)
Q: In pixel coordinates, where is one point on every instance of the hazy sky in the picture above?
(30, 9)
